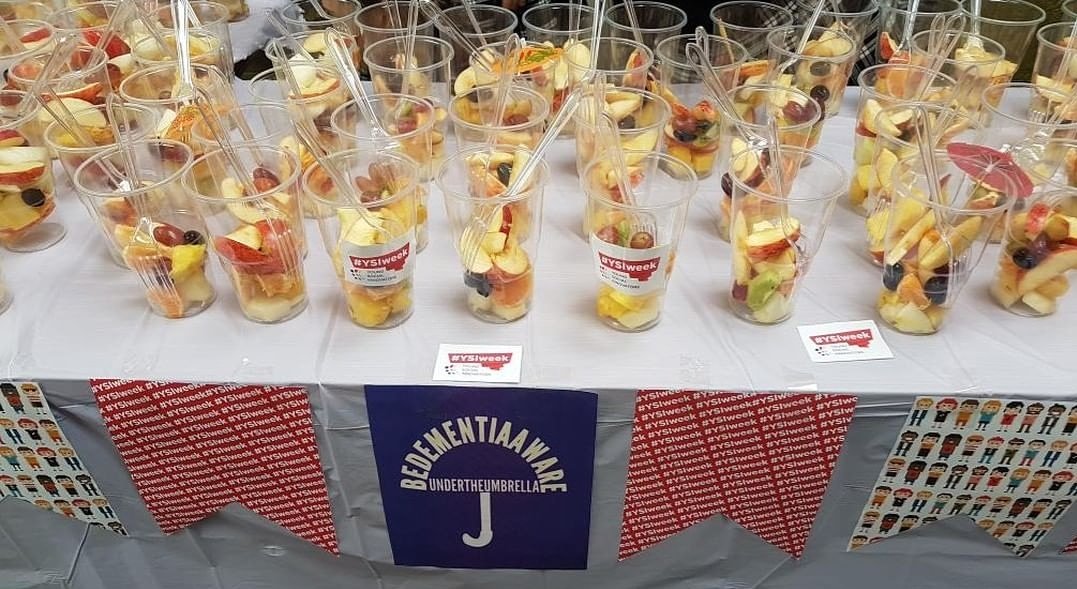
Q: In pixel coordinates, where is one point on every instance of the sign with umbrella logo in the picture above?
(485, 477)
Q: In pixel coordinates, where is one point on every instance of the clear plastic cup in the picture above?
(153, 224)
(375, 260)
(321, 93)
(89, 20)
(748, 21)
(1011, 23)
(898, 137)
(557, 23)
(376, 22)
(775, 237)
(36, 36)
(634, 240)
(799, 120)
(314, 42)
(302, 16)
(83, 80)
(1038, 251)
(894, 15)
(857, 18)
(430, 77)
(657, 20)
(269, 124)
(474, 115)
(258, 237)
(496, 236)
(927, 263)
(1056, 58)
(822, 71)
(265, 88)
(27, 190)
(210, 42)
(621, 62)
(882, 86)
(692, 134)
(495, 22)
(1011, 121)
(975, 62)
(416, 133)
(156, 88)
(641, 118)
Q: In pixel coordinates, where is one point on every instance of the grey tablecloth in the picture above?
(78, 316)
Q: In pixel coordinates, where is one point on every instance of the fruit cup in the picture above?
(656, 21)
(857, 18)
(158, 89)
(1056, 59)
(413, 125)
(90, 20)
(314, 42)
(1010, 23)
(898, 127)
(541, 68)
(1012, 120)
(374, 22)
(894, 16)
(27, 191)
(474, 115)
(558, 27)
(882, 86)
(799, 121)
(495, 22)
(822, 71)
(621, 62)
(81, 82)
(429, 75)
(634, 240)
(641, 117)
(258, 237)
(152, 225)
(775, 237)
(975, 63)
(747, 22)
(928, 262)
(1038, 251)
(210, 42)
(373, 251)
(36, 37)
(496, 235)
(692, 134)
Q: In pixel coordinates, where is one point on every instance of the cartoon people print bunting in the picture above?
(762, 460)
(192, 449)
(39, 465)
(485, 477)
(1009, 464)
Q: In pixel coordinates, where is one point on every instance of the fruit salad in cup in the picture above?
(204, 49)
(372, 250)
(765, 267)
(1039, 250)
(321, 93)
(27, 192)
(822, 69)
(498, 270)
(522, 123)
(640, 117)
(169, 260)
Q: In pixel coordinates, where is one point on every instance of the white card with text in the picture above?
(478, 363)
(844, 341)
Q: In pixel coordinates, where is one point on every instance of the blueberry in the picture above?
(936, 287)
(628, 122)
(892, 275)
(33, 197)
(820, 68)
(1024, 258)
(684, 136)
(193, 237)
(478, 282)
(504, 173)
(820, 93)
(727, 184)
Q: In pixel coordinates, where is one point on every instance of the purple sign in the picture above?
(485, 477)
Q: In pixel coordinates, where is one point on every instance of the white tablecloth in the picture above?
(250, 34)
(77, 315)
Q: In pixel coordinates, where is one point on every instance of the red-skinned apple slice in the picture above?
(11, 138)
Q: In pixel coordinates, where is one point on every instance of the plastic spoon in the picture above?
(338, 52)
(447, 26)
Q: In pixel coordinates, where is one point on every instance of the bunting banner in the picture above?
(1008, 464)
(192, 449)
(761, 460)
(1072, 547)
(485, 477)
(39, 465)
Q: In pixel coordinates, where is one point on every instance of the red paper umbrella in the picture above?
(990, 166)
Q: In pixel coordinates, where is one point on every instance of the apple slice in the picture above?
(511, 261)
(959, 238)
(1057, 263)
(1039, 303)
(320, 86)
(24, 155)
(911, 319)
(622, 108)
(315, 43)
(911, 238)
(84, 113)
(88, 93)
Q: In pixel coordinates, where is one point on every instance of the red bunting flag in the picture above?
(762, 460)
(1072, 547)
(192, 449)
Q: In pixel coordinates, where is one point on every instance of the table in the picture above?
(252, 33)
(76, 316)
